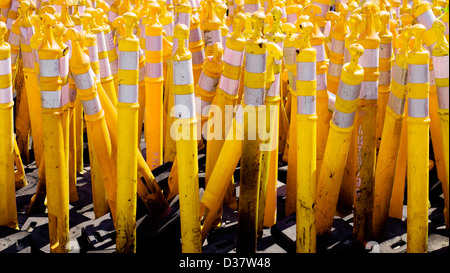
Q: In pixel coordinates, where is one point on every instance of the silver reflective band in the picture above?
(418, 73)
(6, 95)
(334, 69)
(92, 106)
(184, 106)
(182, 72)
(211, 37)
(51, 99)
(233, 57)
(384, 78)
(369, 90)
(207, 83)
(337, 46)
(154, 70)
(385, 51)
(253, 96)
(418, 108)
(5, 66)
(443, 97)
(441, 67)
(289, 55)
(396, 104)
(320, 52)
(306, 71)
(93, 53)
(128, 60)
(84, 81)
(343, 120)
(400, 75)
(306, 105)
(128, 93)
(369, 58)
(153, 43)
(229, 86)
(321, 83)
(427, 18)
(49, 68)
(348, 92)
(255, 63)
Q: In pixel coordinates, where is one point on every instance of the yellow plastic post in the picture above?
(57, 185)
(324, 6)
(251, 6)
(440, 55)
(253, 99)
(166, 19)
(418, 144)
(8, 210)
(186, 143)
(306, 119)
(338, 142)
(211, 27)
(13, 14)
(196, 43)
(292, 11)
(221, 10)
(365, 126)
(423, 14)
(390, 139)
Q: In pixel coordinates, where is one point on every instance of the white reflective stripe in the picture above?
(109, 41)
(240, 115)
(14, 39)
(321, 82)
(418, 108)
(182, 72)
(154, 70)
(153, 43)
(105, 69)
(446, 28)
(51, 99)
(253, 96)
(84, 81)
(92, 106)
(207, 83)
(337, 46)
(334, 69)
(289, 55)
(443, 97)
(306, 71)
(114, 65)
(27, 58)
(72, 94)
(431, 77)
(64, 66)
(141, 73)
(229, 86)
(184, 106)
(6, 95)
(418, 73)
(25, 34)
(93, 53)
(168, 29)
(347, 56)
(128, 60)
(128, 93)
(384, 78)
(385, 50)
(233, 57)
(348, 92)
(441, 67)
(111, 15)
(224, 41)
(195, 35)
(427, 18)
(101, 42)
(211, 37)
(255, 63)
(369, 58)
(274, 89)
(49, 68)
(65, 95)
(250, 8)
(13, 58)
(198, 57)
(320, 53)
(5, 66)
(183, 18)
(396, 104)
(324, 8)
(202, 107)
(306, 105)
(369, 90)
(343, 120)
(399, 75)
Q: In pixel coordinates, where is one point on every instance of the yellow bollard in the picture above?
(390, 140)
(166, 19)
(221, 10)
(306, 119)
(440, 55)
(57, 187)
(338, 143)
(8, 210)
(418, 144)
(251, 6)
(186, 143)
(127, 136)
(196, 42)
(253, 99)
(211, 28)
(324, 6)
(292, 11)
(13, 14)
(423, 14)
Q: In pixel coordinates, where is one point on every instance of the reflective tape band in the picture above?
(343, 120)
(25, 34)
(168, 29)
(5, 66)
(92, 106)
(128, 60)
(202, 107)
(250, 8)
(240, 115)
(51, 99)
(291, 18)
(441, 67)
(101, 43)
(184, 106)
(253, 96)
(49, 68)
(334, 69)
(321, 83)
(369, 58)
(105, 69)
(233, 57)
(396, 104)
(65, 94)
(27, 58)
(306, 105)
(85, 80)
(111, 15)
(443, 97)
(114, 66)
(153, 43)
(348, 92)
(320, 52)
(289, 55)
(337, 46)
(431, 77)
(183, 18)
(14, 39)
(195, 35)
(64, 66)
(399, 74)
(13, 58)
(255, 63)
(323, 7)
(384, 78)
(6, 95)
(141, 73)
(109, 41)
(306, 71)
(198, 57)
(418, 73)
(446, 28)
(418, 108)
(154, 70)
(93, 53)
(427, 18)
(385, 51)
(128, 93)
(72, 94)
(369, 90)
(229, 86)
(207, 83)
(182, 72)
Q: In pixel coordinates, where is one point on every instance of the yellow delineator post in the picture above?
(365, 126)
(186, 143)
(251, 6)
(127, 136)
(8, 210)
(324, 5)
(13, 14)
(306, 119)
(211, 28)
(418, 144)
(445, 19)
(292, 11)
(337, 49)
(57, 185)
(338, 143)
(390, 139)
(154, 87)
(196, 43)
(253, 99)
(166, 19)
(440, 55)
(423, 14)
(385, 66)
(221, 10)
